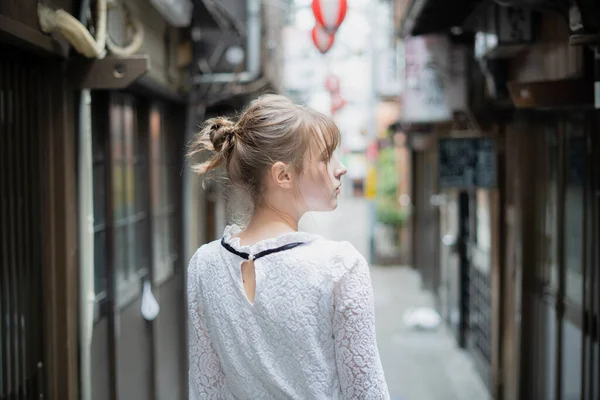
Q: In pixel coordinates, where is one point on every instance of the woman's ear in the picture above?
(282, 175)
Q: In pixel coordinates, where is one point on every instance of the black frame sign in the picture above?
(467, 163)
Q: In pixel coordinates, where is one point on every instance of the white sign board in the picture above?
(435, 83)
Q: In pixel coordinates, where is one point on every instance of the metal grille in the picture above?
(480, 312)
(22, 107)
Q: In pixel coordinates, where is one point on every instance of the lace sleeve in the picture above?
(359, 367)
(206, 378)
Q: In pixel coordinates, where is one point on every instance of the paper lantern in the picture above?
(330, 13)
(337, 103)
(322, 39)
(332, 83)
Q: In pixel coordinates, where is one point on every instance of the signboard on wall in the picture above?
(435, 84)
(503, 31)
(467, 163)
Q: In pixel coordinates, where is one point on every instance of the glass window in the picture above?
(575, 160)
(164, 189)
(550, 218)
(99, 189)
(129, 180)
(116, 134)
(571, 361)
(550, 350)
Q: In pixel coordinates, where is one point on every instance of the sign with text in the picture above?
(435, 81)
(467, 163)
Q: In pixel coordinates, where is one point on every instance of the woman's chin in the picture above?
(334, 204)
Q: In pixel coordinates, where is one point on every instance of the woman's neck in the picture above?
(267, 223)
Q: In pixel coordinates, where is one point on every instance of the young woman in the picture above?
(276, 313)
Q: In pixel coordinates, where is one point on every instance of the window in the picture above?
(575, 166)
(550, 217)
(566, 243)
(99, 138)
(136, 193)
(120, 165)
(130, 192)
(164, 192)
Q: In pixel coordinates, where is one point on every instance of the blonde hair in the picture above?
(272, 129)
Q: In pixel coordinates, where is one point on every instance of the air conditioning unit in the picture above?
(177, 12)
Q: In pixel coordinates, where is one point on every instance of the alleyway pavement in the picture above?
(419, 365)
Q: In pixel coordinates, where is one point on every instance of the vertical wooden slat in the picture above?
(560, 296)
(585, 346)
(30, 265)
(13, 132)
(41, 163)
(592, 245)
(111, 292)
(3, 227)
(22, 249)
(594, 262)
(60, 278)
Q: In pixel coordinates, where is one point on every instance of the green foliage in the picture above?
(387, 176)
(388, 209)
(389, 212)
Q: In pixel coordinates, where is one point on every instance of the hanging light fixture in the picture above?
(322, 39)
(330, 13)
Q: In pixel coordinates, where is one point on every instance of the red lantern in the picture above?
(330, 13)
(322, 39)
(337, 102)
(332, 83)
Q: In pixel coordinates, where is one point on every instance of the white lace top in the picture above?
(310, 333)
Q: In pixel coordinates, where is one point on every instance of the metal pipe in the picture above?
(85, 197)
(253, 51)
(87, 296)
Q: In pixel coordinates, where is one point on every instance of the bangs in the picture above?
(326, 136)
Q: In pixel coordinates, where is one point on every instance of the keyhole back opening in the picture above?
(249, 280)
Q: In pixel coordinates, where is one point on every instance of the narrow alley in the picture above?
(419, 364)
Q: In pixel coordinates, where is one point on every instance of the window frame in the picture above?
(106, 106)
(164, 182)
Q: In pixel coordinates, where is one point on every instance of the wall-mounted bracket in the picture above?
(107, 73)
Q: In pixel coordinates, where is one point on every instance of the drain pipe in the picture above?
(87, 295)
(253, 51)
(85, 196)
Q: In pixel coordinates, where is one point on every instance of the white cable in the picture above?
(80, 37)
(136, 42)
(68, 26)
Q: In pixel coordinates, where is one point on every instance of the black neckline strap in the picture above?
(261, 254)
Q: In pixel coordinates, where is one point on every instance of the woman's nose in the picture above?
(340, 171)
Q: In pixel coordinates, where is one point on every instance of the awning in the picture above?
(436, 16)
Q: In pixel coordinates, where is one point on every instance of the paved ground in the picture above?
(418, 365)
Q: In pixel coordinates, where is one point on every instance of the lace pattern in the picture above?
(310, 333)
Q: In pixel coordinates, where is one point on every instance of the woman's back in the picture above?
(292, 316)
(309, 334)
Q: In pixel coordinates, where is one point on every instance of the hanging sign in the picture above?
(435, 79)
(467, 163)
(330, 13)
(322, 39)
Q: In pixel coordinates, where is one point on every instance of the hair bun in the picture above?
(221, 130)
